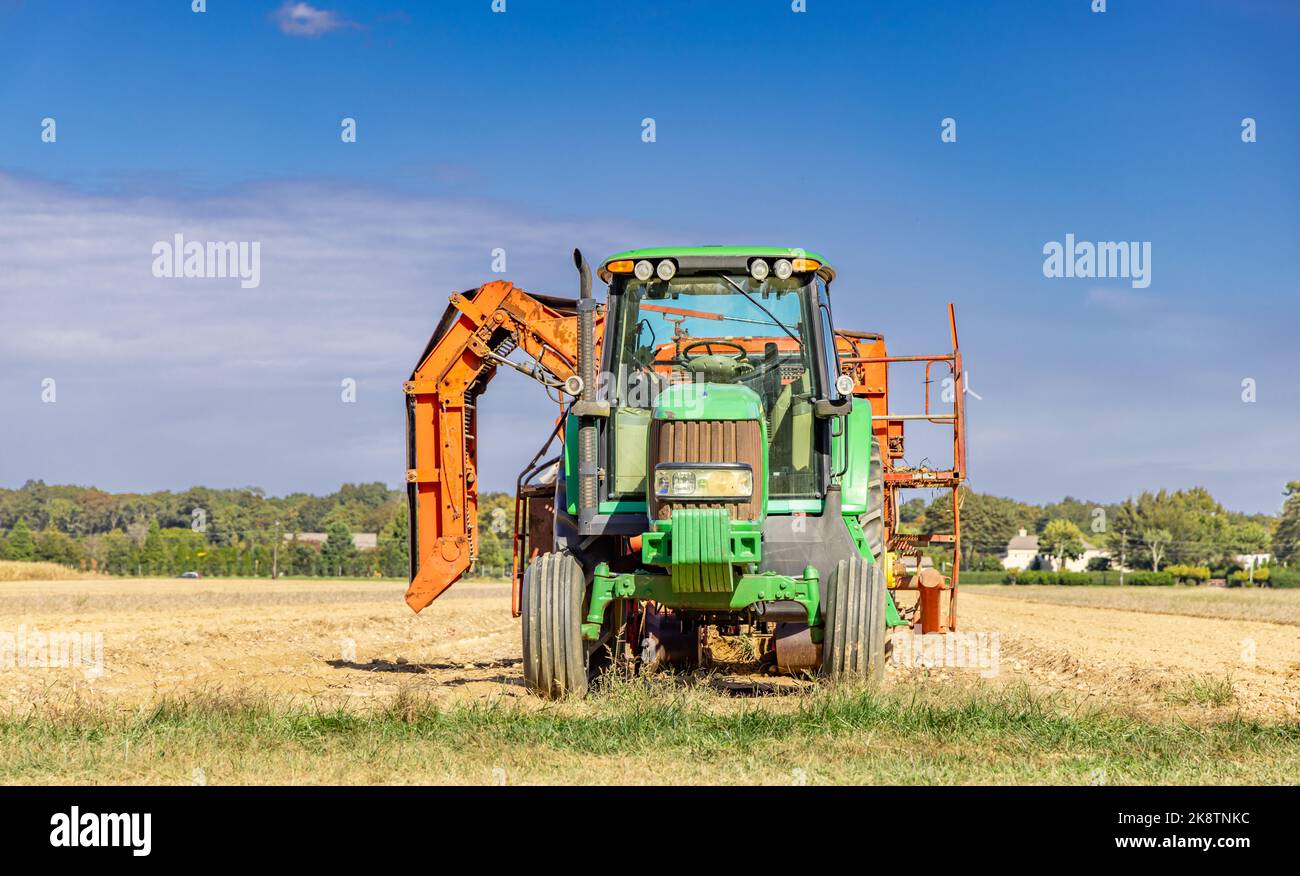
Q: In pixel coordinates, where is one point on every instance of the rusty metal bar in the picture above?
(876, 360)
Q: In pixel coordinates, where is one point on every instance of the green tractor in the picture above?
(722, 469)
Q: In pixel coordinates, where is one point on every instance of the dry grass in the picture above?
(114, 595)
(1204, 690)
(13, 570)
(1248, 604)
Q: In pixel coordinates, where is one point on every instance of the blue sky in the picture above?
(523, 130)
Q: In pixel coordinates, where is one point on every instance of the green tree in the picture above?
(20, 545)
(1062, 540)
(1156, 541)
(911, 511)
(1186, 527)
(1082, 514)
(394, 540)
(153, 555)
(1286, 538)
(1247, 537)
(53, 546)
(338, 550)
(300, 558)
(496, 526)
(987, 522)
(119, 553)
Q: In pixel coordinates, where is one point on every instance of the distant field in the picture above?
(1237, 603)
(11, 570)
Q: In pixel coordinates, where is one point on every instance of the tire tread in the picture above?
(554, 651)
(855, 632)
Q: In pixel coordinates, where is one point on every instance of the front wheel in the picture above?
(555, 655)
(855, 632)
(873, 522)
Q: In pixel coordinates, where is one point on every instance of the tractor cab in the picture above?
(718, 319)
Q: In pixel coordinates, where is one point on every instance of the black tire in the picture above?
(555, 655)
(873, 522)
(853, 647)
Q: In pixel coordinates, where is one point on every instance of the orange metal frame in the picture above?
(868, 363)
(486, 322)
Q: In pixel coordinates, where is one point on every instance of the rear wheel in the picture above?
(854, 641)
(555, 655)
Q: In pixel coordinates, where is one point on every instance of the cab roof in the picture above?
(697, 258)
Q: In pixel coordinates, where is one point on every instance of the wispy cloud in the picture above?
(188, 381)
(1121, 301)
(304, 20)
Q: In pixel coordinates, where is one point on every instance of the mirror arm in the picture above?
(825, 407)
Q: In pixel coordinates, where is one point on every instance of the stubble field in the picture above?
(248, 681)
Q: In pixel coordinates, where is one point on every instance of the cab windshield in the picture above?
(728, 329)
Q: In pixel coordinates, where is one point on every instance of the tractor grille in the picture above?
(708, 441)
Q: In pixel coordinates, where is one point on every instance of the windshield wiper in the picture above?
(753, 301)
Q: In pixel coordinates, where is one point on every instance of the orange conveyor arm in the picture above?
(478, 330)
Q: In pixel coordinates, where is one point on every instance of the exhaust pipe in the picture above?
(586, 406)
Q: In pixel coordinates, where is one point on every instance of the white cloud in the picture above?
(176, 382)
(305, 20)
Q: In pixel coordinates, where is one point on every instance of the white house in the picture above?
(362, 541)
(1023, 553)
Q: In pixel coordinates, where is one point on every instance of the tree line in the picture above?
(244, 532)
(227, 532)
(1153, 530)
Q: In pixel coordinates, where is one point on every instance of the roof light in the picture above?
(666, 269)
(644, 270)
(800, 265)
(759, 270)
(622, 266)
(783, 269)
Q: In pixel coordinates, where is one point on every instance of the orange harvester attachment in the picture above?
(862, 356)
(476, 334)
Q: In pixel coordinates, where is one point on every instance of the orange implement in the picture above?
(862, 356)
(477, 331)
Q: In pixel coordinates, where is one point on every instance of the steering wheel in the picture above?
(720, 366)
(741, 355)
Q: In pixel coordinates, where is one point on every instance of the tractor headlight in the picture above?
(665, 270)
(759, 270)
(706, 481)
(783, 269)
(643, 270)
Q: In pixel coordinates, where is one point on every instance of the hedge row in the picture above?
(1150, 579)
(1284, 577)
(1068, 578)
(1275, 576)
